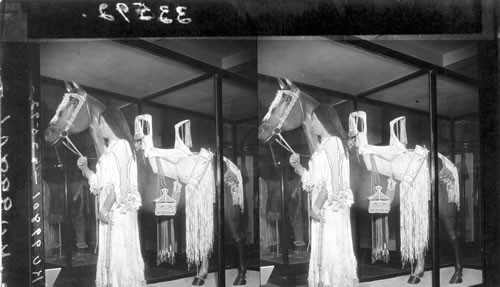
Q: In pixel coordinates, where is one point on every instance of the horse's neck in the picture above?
(98, 141)
(95, 109)
(308, 105)
(312, 139)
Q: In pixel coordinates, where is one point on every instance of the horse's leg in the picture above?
(447, 214)
(419, 270)
(233, 220)
(199, 280)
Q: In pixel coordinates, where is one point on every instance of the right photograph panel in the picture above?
(350, 193)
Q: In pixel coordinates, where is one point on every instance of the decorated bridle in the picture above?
(294, 97)
(82, 99)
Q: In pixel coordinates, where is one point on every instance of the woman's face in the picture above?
(104, 127)
(317, 127)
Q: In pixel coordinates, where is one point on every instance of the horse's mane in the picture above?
(316, 102)
(96, 101)
(94, 133)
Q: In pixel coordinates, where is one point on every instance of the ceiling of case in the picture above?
(156, 71)
(178, 72)
(345, 67)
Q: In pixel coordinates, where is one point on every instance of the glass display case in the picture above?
(413, 133)
(198, 104)
(458, 102)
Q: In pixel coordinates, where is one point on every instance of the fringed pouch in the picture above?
(378, 202)
(165, 205)
(165, 210)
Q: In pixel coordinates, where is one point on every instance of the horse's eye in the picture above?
(287, 99)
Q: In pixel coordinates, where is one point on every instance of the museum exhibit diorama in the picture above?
(190, 106)
(409, 111)
(246, 162)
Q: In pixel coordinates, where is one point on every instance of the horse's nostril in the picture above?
(261, 130)
(50, 133)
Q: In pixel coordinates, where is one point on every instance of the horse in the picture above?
(76, 113)
(291, 109)
(79, 111)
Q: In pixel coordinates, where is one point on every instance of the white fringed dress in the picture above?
(119, 262)
(332, 262)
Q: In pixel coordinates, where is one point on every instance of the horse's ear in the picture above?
(68, 87)
(280, 82)
(290, 83)
(77, 86)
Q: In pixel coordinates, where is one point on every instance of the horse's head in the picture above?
(72, 115)
(284, 114)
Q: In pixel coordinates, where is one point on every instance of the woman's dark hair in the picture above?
(118, 124)
(330, 120)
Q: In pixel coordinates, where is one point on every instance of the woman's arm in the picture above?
(320, 200)
(322, 196)
(106, 207)
(110, 199)
(295, 163)
(87, 172)
(82, 164)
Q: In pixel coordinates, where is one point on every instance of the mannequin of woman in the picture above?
(332, 261)
(119, 262)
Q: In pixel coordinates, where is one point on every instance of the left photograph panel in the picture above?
(149, 162)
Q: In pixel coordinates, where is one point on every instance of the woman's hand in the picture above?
(316, 215)
(295, 163)
(294, 160)
(82, 162)
(105, 216)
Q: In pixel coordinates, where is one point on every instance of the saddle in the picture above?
(181, 150)
(393, 160)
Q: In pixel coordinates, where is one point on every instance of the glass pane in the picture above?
(285, 226)
(70, 226)
(460, 236)
(381, 242)
(121, 75)
(393, 153)
(167, 235)
(71, 232)
(241, 238)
